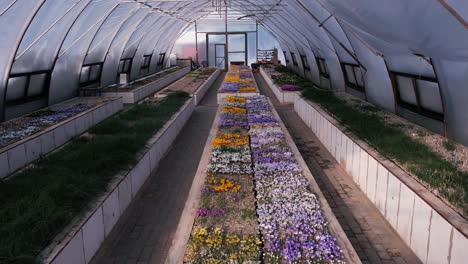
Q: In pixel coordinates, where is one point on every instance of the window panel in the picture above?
(429, 95)
(406, 90)
(36, 85)
(294, 59)
(359, 76)
(322, 67)
(350, 74)
(146, 61)
(84, 74)
(16, 88)
(285, 57)
(161, 58)
(95, 73)
(305, 62)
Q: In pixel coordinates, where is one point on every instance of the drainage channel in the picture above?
(372, 237)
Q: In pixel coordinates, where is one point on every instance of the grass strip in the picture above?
(391, 141)
(39, 202)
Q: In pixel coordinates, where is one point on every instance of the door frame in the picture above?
(226, 55)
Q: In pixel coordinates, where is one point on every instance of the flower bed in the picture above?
(285, 79)
(141, 82)
(59, 188)
(23, 127)
(225, 230)
(140, 89)
(239, 79)
(294, 229)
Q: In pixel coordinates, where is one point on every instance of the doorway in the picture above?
(228, 47)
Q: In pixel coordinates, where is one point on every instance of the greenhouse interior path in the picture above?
(144, 233)
(372, 237)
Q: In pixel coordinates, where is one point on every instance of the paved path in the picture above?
(144, 233)
(370, 234)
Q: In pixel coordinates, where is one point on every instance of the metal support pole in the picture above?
(196, 42)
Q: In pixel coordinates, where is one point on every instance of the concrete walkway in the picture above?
(372, 237)
(144, 233)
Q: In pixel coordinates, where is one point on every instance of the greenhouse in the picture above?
(233, 131)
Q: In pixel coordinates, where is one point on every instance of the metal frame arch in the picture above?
(12, 40)
(109, 36)
(67, 68)
(115, 50)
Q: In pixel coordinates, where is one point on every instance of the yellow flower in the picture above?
(234, 110)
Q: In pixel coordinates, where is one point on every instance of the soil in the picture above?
(452, 152)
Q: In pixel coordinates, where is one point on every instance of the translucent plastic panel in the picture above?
(350, 74)
(42, 42)
(429, 95)
(220, 51)
(36, 84)
(107, 32)
(460, 6)
(251, 48)
(50, 14)
(410, 64)
(91, 17)
(132, 44)
(236, 57)
(5, 4)
(95, 72)
(185, 45)
(241, 26)
(201, 47)
(236, 43)
(16, 88)
(84, 74)
(406, 90)
(359, 76)
(210, 27)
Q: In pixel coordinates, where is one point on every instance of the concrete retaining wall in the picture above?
(434, 231)
(136, 95)
(82, 241)
(283, 97)
(201, 91)
(19, 154)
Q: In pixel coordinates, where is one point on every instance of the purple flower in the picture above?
(290, 87)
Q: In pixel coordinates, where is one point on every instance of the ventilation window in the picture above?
(353, 76)
(294, 59)
(305, 62)
(418, 94)
(285, 57)
(146, 61)
(91, 74)
(125, 66)
(162, 56)
(27, 87)
(322, 66)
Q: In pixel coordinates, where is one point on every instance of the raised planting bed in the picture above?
(62, 208)
(255, 204)
(429, 226)
(282, 83)
(195, 83)
(239, 81)
(25, 139)
(142, 88)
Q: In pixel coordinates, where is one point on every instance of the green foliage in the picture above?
(448, 145)
(39, 202)
(391, 141)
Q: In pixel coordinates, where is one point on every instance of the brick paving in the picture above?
(144, 234)
(372, 237)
